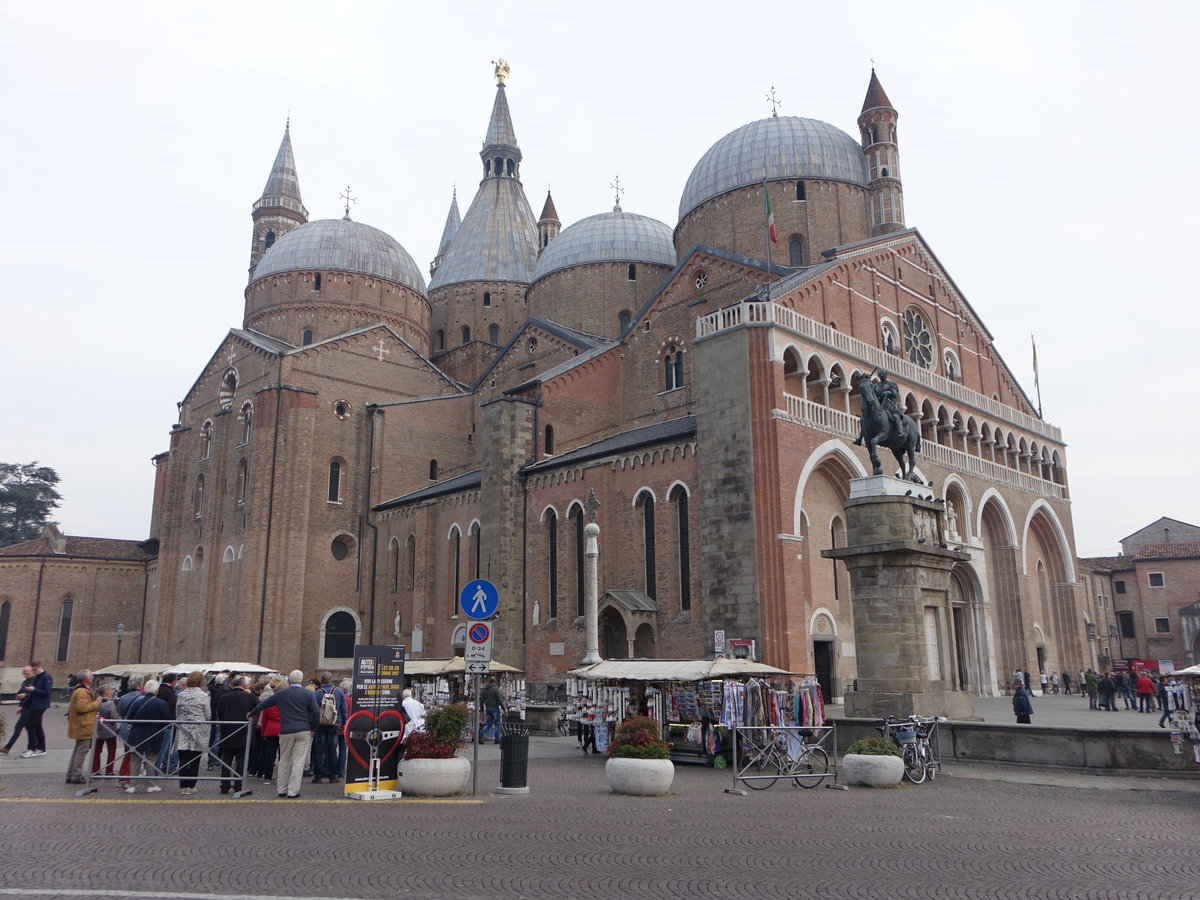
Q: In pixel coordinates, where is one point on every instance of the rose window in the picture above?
(918, 342)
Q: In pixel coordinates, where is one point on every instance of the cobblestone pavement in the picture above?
(955, 837)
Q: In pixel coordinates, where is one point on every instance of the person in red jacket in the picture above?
(269, 725)
(1145, 692)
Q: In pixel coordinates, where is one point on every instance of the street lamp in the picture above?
(120, 637)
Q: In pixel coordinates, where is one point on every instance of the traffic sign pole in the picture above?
(475, 746)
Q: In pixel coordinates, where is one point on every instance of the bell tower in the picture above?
(877, 123)
(280, 208)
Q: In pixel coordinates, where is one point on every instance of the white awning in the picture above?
(455, 665)
(121, 670)
(676, 670)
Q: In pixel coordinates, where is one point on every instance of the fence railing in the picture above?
(138, 761)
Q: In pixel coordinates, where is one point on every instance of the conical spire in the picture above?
(548, 224)
(501, 154)
(449, 233)
(549, 213)
(453, 220)
(876, 96)
(283, 185)
(280, 208)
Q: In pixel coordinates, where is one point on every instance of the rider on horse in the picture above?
(887, 392)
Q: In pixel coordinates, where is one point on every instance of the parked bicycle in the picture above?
(913, 737)
(769, 754)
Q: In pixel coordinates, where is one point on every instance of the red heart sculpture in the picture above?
(362, 722)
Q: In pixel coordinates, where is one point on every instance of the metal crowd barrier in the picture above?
(168, 729)
(763, 754)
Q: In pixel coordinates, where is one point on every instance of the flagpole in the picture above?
(767, 232)
(1036, 381)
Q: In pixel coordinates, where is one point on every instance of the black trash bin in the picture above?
(514, 755)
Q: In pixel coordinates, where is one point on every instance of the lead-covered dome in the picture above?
(615, 236)
(785, 146)
(341, 245)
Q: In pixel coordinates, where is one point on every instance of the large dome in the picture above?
(609, 237)
(786, 146)
(341, 245)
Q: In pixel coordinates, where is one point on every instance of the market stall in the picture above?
(436, 682)
(695, 701)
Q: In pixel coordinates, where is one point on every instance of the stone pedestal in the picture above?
(900, 588)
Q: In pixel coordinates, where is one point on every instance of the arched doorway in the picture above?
(614, 637)
(972, 659)
(643, 642)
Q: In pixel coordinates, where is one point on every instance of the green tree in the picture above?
(27, 496)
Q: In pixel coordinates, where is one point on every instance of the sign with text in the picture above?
(479, 642)
(375, 727)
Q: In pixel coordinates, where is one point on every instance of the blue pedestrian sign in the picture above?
(479, 599)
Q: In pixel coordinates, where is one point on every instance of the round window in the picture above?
(342, 546)
(341, 409)
(918, 342)
(701, 280)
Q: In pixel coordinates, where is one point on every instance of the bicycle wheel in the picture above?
(766, 770)
(815, 762)
(914, 765)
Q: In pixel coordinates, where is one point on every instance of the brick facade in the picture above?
(715, 432)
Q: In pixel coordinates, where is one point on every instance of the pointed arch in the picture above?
(1060, 538)
(841, 454)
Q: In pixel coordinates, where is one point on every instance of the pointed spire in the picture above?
(449, 232)
(283, 185)
(549, 213)
(453, 220)
(548, 224)
(876, 96)
(501, 154)
(280, 208)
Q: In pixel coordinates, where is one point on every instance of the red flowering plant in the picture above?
(443, 734)
(639, 737)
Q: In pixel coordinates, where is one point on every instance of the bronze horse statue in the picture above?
(878, 428)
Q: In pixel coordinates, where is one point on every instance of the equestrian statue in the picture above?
(882, 424)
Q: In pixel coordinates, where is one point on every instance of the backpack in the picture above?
(329, 710)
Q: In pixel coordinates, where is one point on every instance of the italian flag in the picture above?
(770, 215)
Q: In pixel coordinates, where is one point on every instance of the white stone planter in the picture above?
(876, 771)
(434, 777)
(639, 777)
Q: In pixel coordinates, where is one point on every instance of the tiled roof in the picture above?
(1106, 563)
(465, 482)
(81, 548)
(1180, 550)
(618, 443)
(876, 97)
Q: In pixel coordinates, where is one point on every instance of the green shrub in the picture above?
(638, 738)
(875, 747)
(443, 733)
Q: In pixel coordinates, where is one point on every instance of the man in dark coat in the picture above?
(234, 707)
(39, 702)
(22, 704)
(146, 735)
(1021, 705)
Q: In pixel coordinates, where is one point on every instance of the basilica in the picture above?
(371, 439)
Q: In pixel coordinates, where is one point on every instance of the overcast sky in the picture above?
(1046, 152)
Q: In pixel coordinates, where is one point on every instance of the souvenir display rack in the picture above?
(695, 702)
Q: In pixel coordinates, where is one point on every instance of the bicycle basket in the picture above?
(906, 737)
